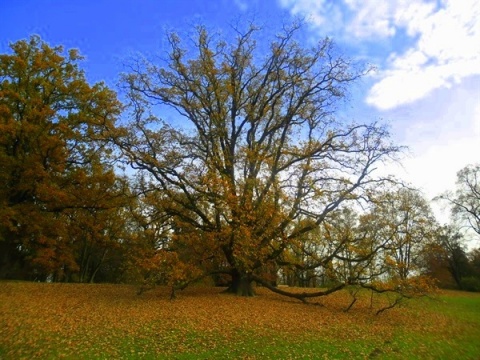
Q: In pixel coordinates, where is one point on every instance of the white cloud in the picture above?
(407, 82)
(434, 170)
(449, 44)
(427, 85)
(371, 18)
(241, 4)
(444, 41)
(320, 14)
(443, 133)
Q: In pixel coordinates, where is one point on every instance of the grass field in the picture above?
(111, 322)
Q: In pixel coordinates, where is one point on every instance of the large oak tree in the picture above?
(250, 157)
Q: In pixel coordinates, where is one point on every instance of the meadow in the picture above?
(79, 321)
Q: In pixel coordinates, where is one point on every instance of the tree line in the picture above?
(254, 179)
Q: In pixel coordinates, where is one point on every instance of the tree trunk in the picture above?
(241, 284)
(92, 278)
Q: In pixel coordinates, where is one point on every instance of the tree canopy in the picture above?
(256, 159)
(242, 171)
(53, 163)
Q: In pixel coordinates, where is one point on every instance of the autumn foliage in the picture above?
(58, 191)
(257, 180)
(254, 181)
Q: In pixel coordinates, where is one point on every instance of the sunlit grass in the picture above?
(111, 321)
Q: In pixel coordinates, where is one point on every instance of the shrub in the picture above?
(470, 283)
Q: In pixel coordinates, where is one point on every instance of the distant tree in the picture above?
(474, 256)
(255, 160)
(98, 234)
(53, 160)
(447, 253)
(401, 223)
(331, 254)
(156, 256)
(434, 263)
(458, 264)
(466, 199)
(472, 282)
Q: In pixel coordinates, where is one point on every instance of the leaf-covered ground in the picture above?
(111, 321)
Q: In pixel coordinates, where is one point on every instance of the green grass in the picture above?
(451, 329)
(50, 321)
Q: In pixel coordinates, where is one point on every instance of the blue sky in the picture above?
(426, 53)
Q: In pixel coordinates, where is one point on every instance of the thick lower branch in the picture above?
(300, 296)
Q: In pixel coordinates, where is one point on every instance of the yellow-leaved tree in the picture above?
(250, 158)
(55, 171)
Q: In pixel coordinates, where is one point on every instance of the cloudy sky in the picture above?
(426, 53)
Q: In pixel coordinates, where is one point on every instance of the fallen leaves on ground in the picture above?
(111, 321)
